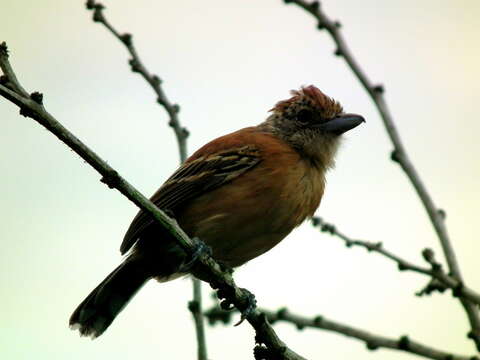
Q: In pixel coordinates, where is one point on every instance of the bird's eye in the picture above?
(304, 116)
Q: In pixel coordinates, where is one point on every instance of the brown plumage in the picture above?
(241, 194)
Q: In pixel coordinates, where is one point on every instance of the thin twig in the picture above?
(435, 271)
(155, 82)
(195, 307)
(399, 154)
(372, 341)
(181, 134)
(10, 79)
(211, 271)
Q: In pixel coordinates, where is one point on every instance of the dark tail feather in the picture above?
(95, 314)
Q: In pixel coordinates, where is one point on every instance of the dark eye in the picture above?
(304, 116)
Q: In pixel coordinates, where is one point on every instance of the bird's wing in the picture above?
(195, 177)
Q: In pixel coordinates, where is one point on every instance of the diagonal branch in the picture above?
(211, 271)
(435, 271)
(372, 341)
(399, 154)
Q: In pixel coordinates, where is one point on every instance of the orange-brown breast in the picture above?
(249, 215)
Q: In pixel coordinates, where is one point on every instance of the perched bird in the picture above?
(241, 194)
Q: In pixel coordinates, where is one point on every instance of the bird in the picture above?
(241, 194)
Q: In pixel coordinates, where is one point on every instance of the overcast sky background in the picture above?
(226, 63)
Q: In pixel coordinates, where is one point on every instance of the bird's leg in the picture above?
(246, 306)
(200, 249)
(249, 306)
(225, 267)
(249, 303)
(169, 213)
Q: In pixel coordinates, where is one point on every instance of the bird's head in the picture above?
(312, 123)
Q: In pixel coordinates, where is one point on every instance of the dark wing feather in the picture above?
(192, 179)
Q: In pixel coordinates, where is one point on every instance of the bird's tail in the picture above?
(95, 314)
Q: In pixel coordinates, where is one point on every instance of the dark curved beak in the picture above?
(341, 124)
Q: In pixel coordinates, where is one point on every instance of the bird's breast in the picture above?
(248, 216)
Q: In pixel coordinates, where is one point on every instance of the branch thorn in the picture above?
(126, 39)
(4, 49)
(37, 97)
(404, 343)
(379, 89)
(394, 156)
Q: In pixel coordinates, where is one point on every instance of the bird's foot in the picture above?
(249, 306)
(169, 213)
(200, 249)
(225, 267)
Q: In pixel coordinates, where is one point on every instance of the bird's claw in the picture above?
(200, 249)
(251, 305)
(225, 267)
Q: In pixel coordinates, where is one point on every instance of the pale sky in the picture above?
(226, 63)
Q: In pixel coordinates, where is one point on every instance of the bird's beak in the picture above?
(341, 123)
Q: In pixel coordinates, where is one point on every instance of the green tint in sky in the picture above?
(226, 63)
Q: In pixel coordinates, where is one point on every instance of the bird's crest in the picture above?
(310, 96)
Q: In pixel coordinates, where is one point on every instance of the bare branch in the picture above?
(436, 271)
(137, 66)
(195, 307)
(399, 154)
(372, 341)
(211, 271)
(9, 79)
